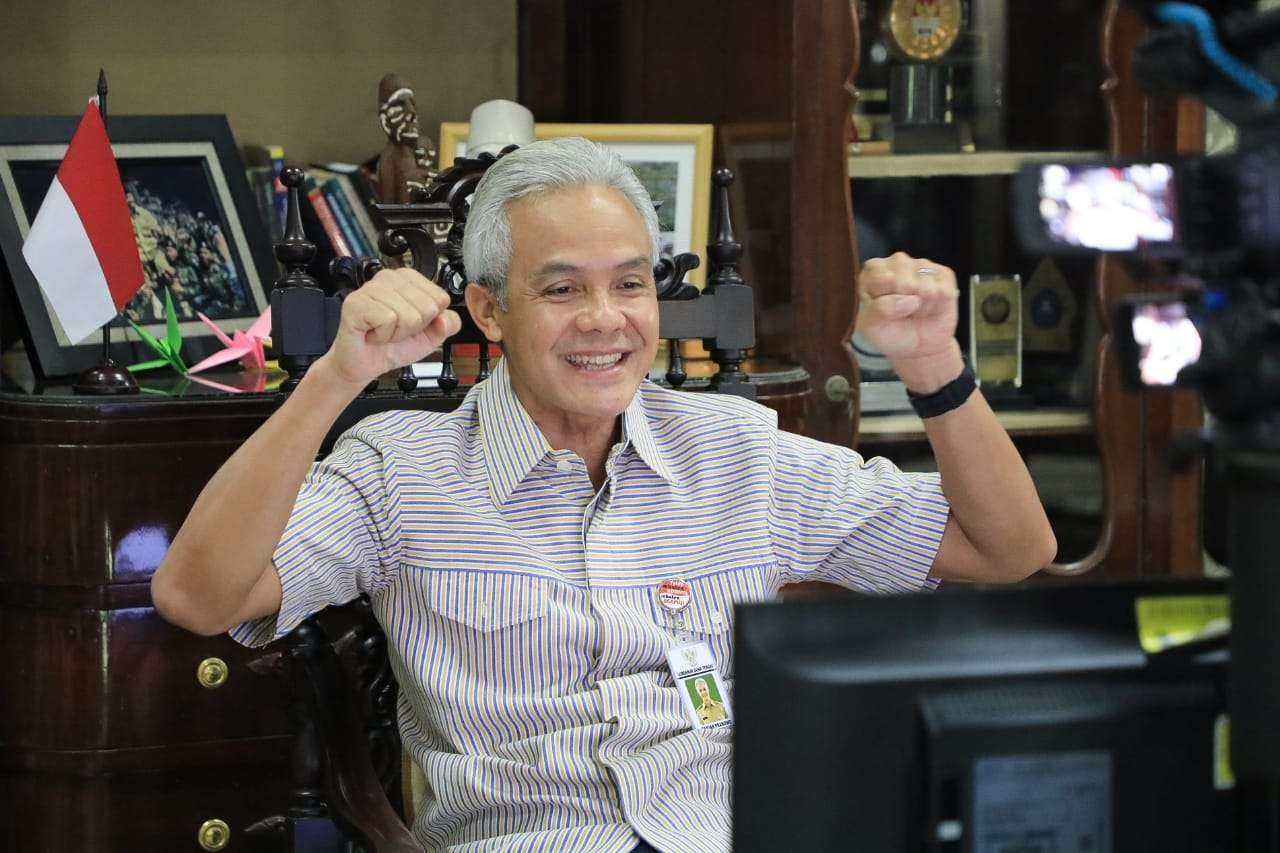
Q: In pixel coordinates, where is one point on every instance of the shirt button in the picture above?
(564, 466)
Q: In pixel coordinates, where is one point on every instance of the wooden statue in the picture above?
(406, 162)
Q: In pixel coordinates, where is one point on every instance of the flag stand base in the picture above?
(106, 377)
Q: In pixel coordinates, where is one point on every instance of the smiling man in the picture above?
(574, 308)
(557, 558)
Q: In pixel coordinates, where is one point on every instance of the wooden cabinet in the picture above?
(118, 731)
(779, 83)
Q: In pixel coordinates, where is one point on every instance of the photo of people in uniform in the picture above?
(707, 703)
(184, 247)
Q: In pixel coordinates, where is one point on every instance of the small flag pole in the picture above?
(105, 377)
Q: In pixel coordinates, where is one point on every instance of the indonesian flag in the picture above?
(81, 247)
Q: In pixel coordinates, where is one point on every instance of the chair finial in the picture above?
(723, 250)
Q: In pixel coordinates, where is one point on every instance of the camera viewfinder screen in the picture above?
(1109, 208)
(1166, 339)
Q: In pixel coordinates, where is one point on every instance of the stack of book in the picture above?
(334, 206)
(342, 209)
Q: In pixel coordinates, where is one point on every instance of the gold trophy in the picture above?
(995, 334)
(925, 29)
(920, 34)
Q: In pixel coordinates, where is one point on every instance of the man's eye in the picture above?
(559, 290)
(633, 285)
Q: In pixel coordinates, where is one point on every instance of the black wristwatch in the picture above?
(948, 397)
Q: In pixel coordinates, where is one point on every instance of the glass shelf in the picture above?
(905, 426)
(958, 163)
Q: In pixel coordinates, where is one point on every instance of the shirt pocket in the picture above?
(708, 617)
(487, 601)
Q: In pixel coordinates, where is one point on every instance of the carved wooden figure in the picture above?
(406, 162)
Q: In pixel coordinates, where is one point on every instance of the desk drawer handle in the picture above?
(212, 674)
(214, 834)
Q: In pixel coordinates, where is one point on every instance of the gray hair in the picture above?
(541, 167)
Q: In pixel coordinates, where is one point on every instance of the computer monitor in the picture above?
(1019, 719)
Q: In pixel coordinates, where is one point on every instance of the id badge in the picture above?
(701, 688)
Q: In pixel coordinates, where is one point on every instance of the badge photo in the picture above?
(702, 690)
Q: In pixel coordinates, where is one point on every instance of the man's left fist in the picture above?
(907, 310)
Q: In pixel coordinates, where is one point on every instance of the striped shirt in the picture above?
(520, 603)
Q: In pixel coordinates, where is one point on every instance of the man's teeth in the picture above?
(594, 362)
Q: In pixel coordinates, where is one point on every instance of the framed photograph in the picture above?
(673, 161)
(198, 230)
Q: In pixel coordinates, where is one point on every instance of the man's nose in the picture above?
(601, 313)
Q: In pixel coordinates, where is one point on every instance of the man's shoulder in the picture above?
(693, 409)
(415, 431)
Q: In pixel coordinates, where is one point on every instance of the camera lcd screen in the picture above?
(1166, 341)
(1108, 208)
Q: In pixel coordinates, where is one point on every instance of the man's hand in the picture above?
(397, 318)
(908, 310)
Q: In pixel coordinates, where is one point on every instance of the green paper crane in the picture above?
(169, 349)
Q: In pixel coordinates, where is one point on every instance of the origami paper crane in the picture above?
(169, 349)
(246, 346)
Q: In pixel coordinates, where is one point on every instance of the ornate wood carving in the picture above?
(336, 784)
(735, 333)
(303, 319)
(366, 646)
(823, 254)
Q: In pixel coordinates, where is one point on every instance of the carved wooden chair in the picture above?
(351, 786)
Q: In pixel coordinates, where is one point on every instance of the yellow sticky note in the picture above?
(1224, 778)
(1174, 620)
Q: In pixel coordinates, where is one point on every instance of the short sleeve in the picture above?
(862, 524)
(341, 540)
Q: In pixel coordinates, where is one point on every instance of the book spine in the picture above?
(346, 218)
(276, 154)
(260, 182)
(327, 221)
(363, 219)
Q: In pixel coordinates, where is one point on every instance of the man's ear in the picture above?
(484, 310)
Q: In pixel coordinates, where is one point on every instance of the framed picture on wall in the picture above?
(673, 161)
(198, 231)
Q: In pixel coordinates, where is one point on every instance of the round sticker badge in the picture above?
(673, 595)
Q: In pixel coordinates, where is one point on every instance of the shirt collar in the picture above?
(511, 441)
(635, 429)
(513, 444)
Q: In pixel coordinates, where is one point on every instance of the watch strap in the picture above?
(948, 397)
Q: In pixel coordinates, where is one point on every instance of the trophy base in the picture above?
(1005, 396)
(928, 139)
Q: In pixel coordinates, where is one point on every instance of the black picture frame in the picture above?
(165, 157)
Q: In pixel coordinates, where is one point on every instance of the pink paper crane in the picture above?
(246, 346)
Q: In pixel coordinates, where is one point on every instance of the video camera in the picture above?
(1210, 225)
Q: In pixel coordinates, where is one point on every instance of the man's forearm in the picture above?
(226, 543)
(993, 499)
(998, 530)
